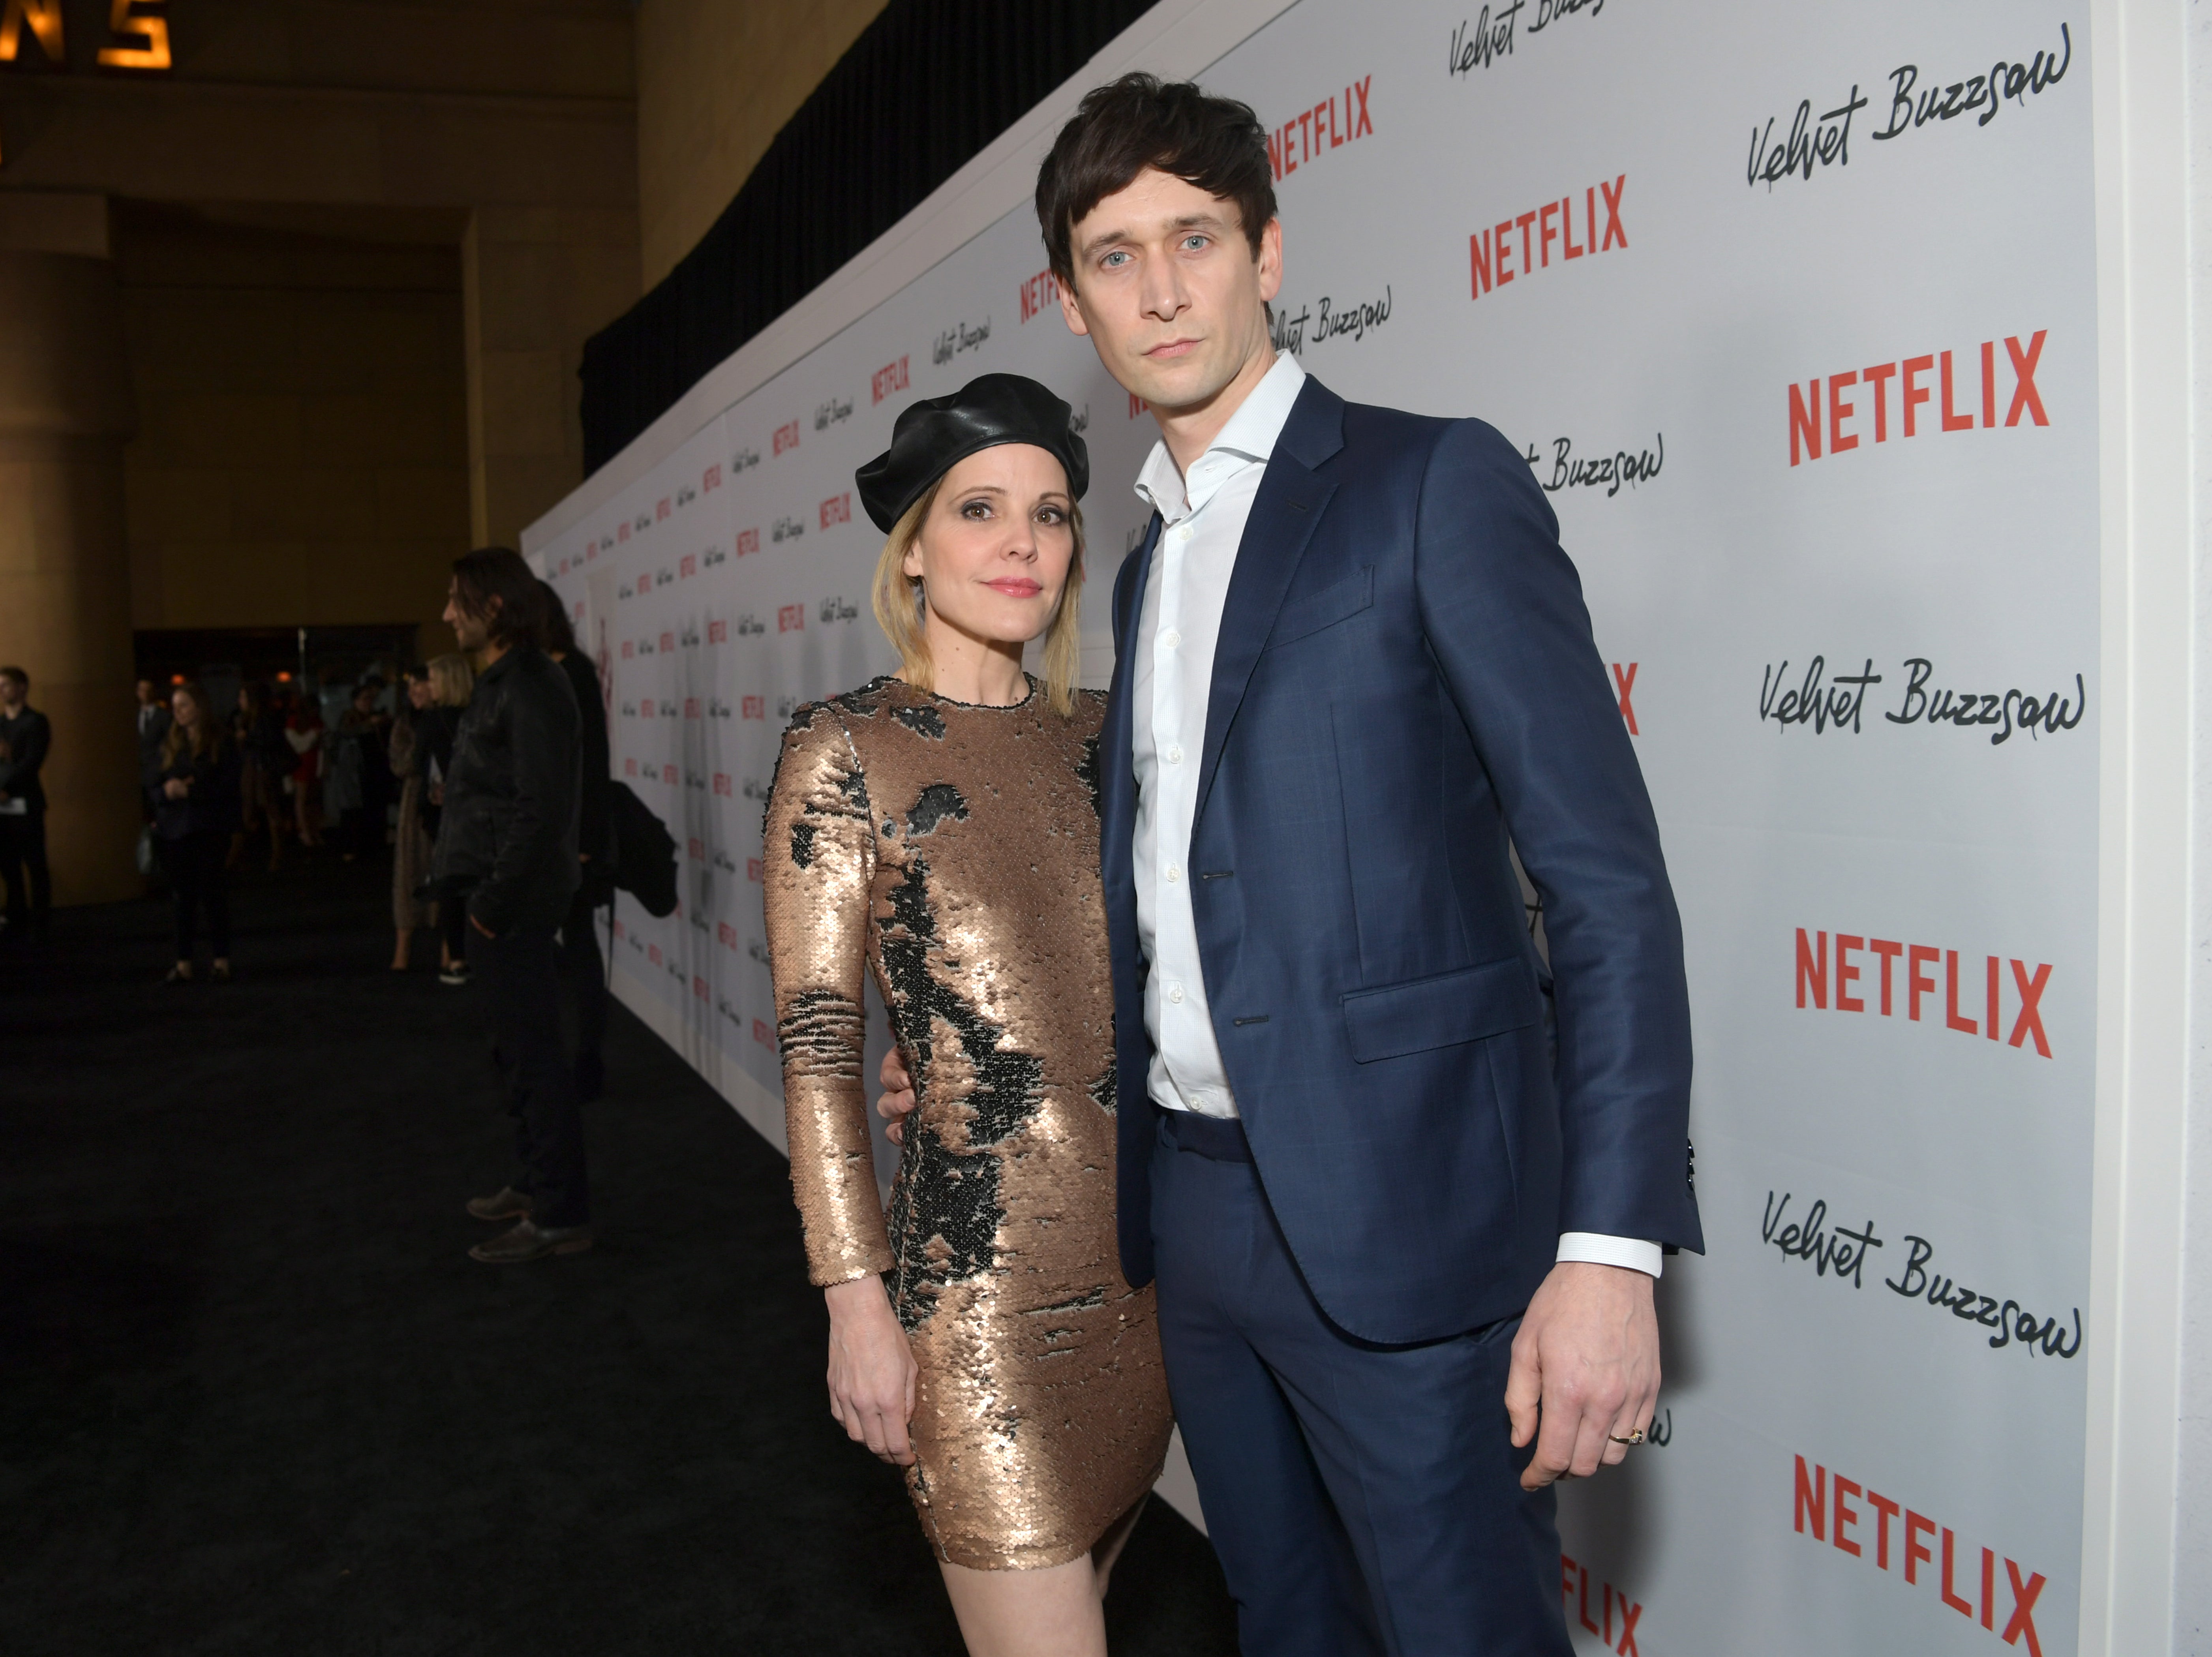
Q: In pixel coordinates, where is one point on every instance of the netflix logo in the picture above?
(1809, 413)
(722, 783)
(696, 849)
(687, 566)
(1575, 1596)
(1137, 405)
(790, 618)
(660, 509)
(1327, 126)
(712, 477)
(1821, 1510)
(667, 644)
(653, 954)
(725, 935)
(718, 633)
(837, 509)
(754, 871)
(690, 707)
(891, 378)
(756, 707)
(748, 542)
(627, 648)
(1040, 291)
(1491, 250)
(762, 1035)
(1821, 967)
(668, 775)
(630, 768)
(787, 438)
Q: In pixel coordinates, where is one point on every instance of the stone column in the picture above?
(65, 408)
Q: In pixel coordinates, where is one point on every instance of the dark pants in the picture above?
(454, 925)
(586, 971)
(194, 864)
(518, 978)
(23, 866)
(1362, 1498)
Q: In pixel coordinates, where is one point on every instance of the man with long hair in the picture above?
(507, 849)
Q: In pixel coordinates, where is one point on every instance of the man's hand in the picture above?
(898, 1103)
(1585, 1369)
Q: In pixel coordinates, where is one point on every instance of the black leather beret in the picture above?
(935, 433)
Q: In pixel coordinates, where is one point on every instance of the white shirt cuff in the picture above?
(1600, 1250)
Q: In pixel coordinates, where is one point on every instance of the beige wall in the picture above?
(716, 81)
(301, 454)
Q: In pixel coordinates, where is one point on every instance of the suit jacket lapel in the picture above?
(1290, 503)
(1118, 775)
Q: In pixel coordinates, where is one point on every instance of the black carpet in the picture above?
(255, 1397)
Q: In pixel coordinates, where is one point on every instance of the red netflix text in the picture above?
(653, 953)
(1599, 1616)
(690, 707)
(786, 437)
(762, 1035)
(1329, 125)
(1907, 974)
(1812, 413)
(667, 643)
(753, 871)
(837, 509)
(748, 541)
(791, 618)
(668, 775)
(688, 565)
(712, 477)
(1137, 405)
(718, 633)
(1492, 252)
(891, 377)
(1822, 1509)
(1625, 684)
(722, 782)
(627, 648)
(756, 707)
(660, 509)
(697, 849)
(1038, 291)
(630, 768)
(725, 935)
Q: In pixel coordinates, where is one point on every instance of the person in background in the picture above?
(506, 847)
(452, 680)
(194, 787)
(153, 720)
(581, 961)
(24, 736)
(303, 732)
(264, 760)
(411, 853)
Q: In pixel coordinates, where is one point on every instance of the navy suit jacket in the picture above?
(1405, 678)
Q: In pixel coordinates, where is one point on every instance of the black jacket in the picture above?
(211, 807)
(27, 737)
(593, 835)
(508, 833)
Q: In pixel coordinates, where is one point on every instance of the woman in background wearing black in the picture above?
(194, 791)
(580, 940)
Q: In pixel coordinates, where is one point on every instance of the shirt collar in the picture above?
(1249, 437)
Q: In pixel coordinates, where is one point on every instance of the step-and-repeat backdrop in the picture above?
(1792, 310)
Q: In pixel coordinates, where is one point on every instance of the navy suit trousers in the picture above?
(1363, 1499)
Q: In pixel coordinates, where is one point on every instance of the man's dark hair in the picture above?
(1138, 121)
(491, 572)
(21, 678)
(560, 635)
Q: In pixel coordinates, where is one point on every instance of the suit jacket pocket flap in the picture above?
(1338, 602)
(1441, 1011)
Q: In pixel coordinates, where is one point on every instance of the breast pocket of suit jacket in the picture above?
(1313, 613)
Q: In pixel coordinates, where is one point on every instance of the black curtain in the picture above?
(928, 84)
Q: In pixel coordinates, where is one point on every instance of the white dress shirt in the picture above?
(1202, 524)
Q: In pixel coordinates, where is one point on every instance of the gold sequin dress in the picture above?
(953, 852)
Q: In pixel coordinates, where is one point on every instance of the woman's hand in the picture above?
(176, 788)
(897, 1102)
(871, 1368)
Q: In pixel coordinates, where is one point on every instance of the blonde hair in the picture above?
(452, 679)
(900, 606)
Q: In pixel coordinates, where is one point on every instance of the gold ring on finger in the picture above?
(1636, 1437)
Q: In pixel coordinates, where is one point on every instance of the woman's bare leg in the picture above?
(1053, 1612)
(1108, 1547)
(399, 953)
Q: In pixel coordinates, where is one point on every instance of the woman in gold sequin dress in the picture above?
(939, 829)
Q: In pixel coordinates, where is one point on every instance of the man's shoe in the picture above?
(456, 974)
(509, 1204)
(527, 1242)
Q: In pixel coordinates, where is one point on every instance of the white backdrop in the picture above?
(1816, 399)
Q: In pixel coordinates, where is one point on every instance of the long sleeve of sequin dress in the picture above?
(952, 852)
(824, 862)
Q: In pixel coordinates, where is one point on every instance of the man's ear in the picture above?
(1072, 308)
(1271, 260)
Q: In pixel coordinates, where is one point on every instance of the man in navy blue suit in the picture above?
(1403, 1184)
